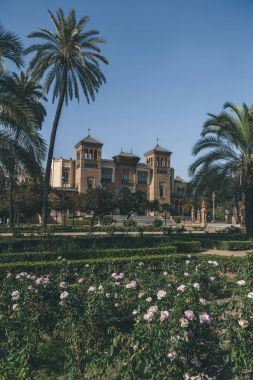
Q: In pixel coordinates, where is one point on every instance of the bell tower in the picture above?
(158, 159)
(88, 163)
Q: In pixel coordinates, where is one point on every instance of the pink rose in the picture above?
(189, 315)
(164, 315)
(181, 288)
(204, 318)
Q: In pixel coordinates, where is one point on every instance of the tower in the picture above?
(158, 159)
(88, 163)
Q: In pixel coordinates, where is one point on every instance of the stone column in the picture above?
(203, 213)
(198, 216)
(193, 214)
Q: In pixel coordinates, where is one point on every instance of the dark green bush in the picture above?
(157, 223)
(56, 243)
(129, 223)
(226, 263)
(236, 245)
(87, 254)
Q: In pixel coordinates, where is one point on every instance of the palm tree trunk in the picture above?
(51, 148)
(11, 208)
(249, 209)
(249, 200)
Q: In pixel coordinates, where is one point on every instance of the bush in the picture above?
(59, 320)
(107, 220)
(129, 223)
(177, 219)
(235, 245)
(90, 254)
(157, 223)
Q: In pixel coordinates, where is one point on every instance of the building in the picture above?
(178, 193)
(123, 174)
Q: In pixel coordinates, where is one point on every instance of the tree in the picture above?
(227, 143)
(11, 49)
(99, 201)
(68, 58)
(28, 200)
(55, 202)
(133, 202)
(21, 115)
(165, 208)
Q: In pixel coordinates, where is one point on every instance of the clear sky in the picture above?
(171, 62)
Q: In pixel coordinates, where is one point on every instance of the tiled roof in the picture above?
(89, 140)
(159, 148)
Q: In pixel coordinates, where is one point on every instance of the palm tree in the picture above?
(21, 115)
(68, 58)
(227, 145)
(10, 48)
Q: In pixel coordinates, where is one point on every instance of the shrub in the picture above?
(157, 223)
(107, 220)
(177, 219)
(235, 245)
(129, 223)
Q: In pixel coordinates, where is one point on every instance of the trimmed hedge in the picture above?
(236, 245)
(226, 263)
(180, 247)
(88, 254)
(28, 244)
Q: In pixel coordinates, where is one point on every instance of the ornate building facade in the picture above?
(122, 174)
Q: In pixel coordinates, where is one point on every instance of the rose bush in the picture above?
(129, 320)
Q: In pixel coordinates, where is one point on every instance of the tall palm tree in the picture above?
(21, 115)
(69, 59)
(227, 145)
(10, 49)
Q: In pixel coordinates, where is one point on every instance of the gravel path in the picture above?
(225, 253)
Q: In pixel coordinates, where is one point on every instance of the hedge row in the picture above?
(190, 247)
(88, 254)
(226, 263)
(236, 245)
(28, 244)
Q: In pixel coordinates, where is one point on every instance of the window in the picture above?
(161, 189)
(125, 176)
(65, 176)
(106, 175)
(142, 178)
(91, 182)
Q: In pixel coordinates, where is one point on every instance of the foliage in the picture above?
(99, 201)
(157, 223)
(68, 58)
(129, 223)
(180, 317)
(10, 49)
(227, 146)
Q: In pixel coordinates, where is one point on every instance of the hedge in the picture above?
(28, 244)
(88, 254)
(236, 245)
(226, 263)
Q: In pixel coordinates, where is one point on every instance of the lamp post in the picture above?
(213, 200)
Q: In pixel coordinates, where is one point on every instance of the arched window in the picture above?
(124, 192)
(161, 188)
(161, 162)
(125, 176)
(95, 155)
(91, 154)
(86, 154)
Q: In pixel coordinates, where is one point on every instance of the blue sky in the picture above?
(171, 62)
